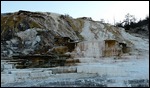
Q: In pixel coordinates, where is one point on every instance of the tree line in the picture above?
(130, 22)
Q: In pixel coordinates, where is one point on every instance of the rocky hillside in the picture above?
(143, 31)
(26, 32)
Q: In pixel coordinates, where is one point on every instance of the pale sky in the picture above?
(107, 10)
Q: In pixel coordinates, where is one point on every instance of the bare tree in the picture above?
(129, 18)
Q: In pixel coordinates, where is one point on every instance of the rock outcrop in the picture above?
(26, 32)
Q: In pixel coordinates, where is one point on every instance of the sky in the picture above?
(110, 11)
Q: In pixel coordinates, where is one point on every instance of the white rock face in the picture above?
(86, 32)
(29, 35)
(93, 31)
(94, 35)
(89, 49)
(138, 42)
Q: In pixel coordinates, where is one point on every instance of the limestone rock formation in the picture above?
(26, 32)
